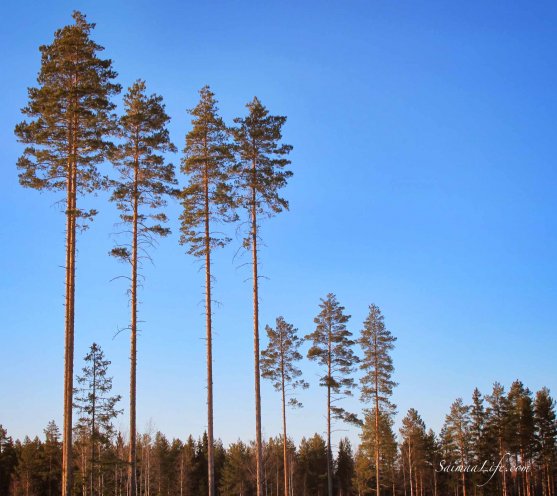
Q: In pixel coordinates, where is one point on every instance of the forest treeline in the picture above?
(415, 460)
(78, 142)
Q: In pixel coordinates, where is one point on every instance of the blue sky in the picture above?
(424, 181)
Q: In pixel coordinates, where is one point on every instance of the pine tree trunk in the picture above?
(67, 459)
(93, 412)
(376, 394)
(284, 438)
(329, 449)
(257, 375)
(210, 445)
(132, 460)
(410, 469)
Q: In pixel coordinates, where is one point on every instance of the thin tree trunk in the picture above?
(376, 392)
(94, 405)
(329, 450)
(403, 470)
(284, 438)
(67, 459)
(257, 375)
(210, 446)
(132, 460)
(410, 468)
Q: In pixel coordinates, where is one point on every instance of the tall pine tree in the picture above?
(146, 180)
(207, 201)
(332, 348)
(457, 432)
(546, 432)
(260, 173)
(278, 364)
(70, 118)
(377, 385)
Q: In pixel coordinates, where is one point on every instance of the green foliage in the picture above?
(377, 342)
(260, 170)
(386, 440)
(413, 433)
(207, 162)
(457, 431)
(94, 402)
(344, 472)
(146, 179)
(546, 426)
(70, 115)
(8, 460)
(312, 465)
(332, 348)
(278, 360)
(236, 475)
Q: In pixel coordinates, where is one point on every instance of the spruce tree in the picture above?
(97, 408)
(70, 117)
(146, 180)
(344, 473)
(332, 348)
(8, 460)
(236, 477)
(260, 174)
(278, 364)
(312, 463)
(207, 201)
(377, 386)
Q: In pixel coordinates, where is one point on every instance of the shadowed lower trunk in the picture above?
(132, 459)
(257, 375)
(210, 435)
(329, 449)
(67, 459)
(284, 437)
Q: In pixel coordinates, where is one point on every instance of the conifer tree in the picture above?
(53, 459)
(207, 201)
(457, 431)
(146, 180)
(278, 364)
(312, 463)
(522, 437)
(344, 473)
(70, 117)
(546, 432)
(499, 428)
(260, 173)
(236, 478)
(382, 440)
(96, 407)
(332, 349)
(413, 432)
(480, 441)
(377, 386)
(8, 460)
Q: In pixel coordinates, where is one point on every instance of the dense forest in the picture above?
(503, 442)
(506, 441)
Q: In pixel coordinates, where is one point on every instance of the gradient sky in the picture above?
(424, 181)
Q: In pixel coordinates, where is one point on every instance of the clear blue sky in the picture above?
(424, 161)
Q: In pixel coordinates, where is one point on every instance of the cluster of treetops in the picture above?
(233, 174)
